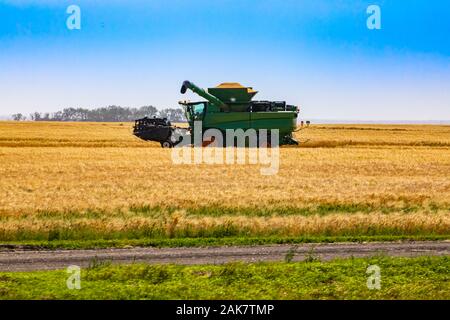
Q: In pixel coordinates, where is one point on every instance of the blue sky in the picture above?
(317, 54)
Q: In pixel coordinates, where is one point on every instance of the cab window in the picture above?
(197, 111)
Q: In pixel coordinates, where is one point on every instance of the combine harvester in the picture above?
(227, 106)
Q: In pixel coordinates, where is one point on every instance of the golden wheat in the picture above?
(62, 168)
(180, 224)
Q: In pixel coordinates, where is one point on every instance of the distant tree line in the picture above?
(107, 114)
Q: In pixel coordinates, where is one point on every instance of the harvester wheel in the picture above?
(211, 142)
(167, 144)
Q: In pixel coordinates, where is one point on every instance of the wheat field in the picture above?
(96, 180)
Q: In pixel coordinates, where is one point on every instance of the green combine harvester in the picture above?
(227, 106)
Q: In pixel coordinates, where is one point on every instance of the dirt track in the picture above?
(13, 259)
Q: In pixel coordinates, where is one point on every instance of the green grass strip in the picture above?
(401, 278)
(202, 242)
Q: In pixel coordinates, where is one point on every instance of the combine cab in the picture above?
(227, 106)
